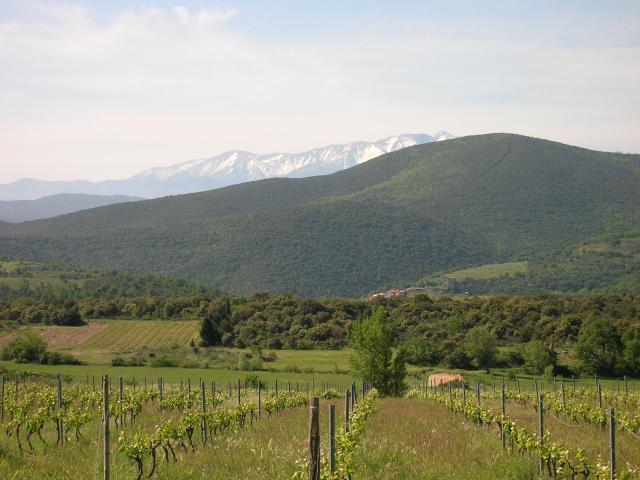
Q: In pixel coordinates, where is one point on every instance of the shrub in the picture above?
(57, 358)
(163, 361)
(537, 357)
(423, 352)
(458, 358)
(480, 345)
(27, 348)
(189, 363)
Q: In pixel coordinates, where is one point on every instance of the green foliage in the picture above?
(480, 346)
(631, 352)
(437, 207)
(373, 359)
(422, 351)
(538, 356)
(27, 348)
(598, 347)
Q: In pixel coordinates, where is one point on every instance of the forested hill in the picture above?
(397, 218)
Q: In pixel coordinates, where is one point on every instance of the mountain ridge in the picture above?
(228, 168)
(16, 211)
(396, 218)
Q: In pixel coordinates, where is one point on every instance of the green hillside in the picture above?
(397, 218)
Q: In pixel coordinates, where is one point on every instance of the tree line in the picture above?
(480, 332)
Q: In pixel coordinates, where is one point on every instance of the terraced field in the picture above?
(493, 270)
(129, 335)
(116, 335)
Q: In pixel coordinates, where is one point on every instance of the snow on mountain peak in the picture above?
(240, 166)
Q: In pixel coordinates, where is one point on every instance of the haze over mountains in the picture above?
(396, 218)
(14, 211)
(228, 168)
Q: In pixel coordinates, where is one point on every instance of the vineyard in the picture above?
(128, 429)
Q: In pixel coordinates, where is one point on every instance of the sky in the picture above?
(105, 89)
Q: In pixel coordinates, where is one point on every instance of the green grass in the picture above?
(410, 439)
(173, 375)
(493, 270)
(267, 449)
(130, 335)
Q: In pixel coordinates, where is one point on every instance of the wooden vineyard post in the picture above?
(504, 415)
(259, 400)
(276, 386)
(314, 439)
(204, 412)
(2, 398)
(189, 386)
(626, 388)
(120, 392)
(464, 393)
(105, 426)
(160, 388)
(332, 438)
(289, 387)
(478, 394)
(564, 401)
(599, 392)
(541, 429)
(450, 393)
(346, 410)
(353, 395)
(612, 444)
(238, 386)
(58, 409)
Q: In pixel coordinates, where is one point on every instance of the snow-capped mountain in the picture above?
(228, 168)
(246, 166)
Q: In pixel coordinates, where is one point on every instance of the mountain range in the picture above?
(15, 211)
(396, 218)
(228, 168)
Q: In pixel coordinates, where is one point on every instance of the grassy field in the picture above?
(489, 271)
(413, 439)
(404, 439)
(266, 449)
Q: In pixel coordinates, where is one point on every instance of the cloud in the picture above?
(204, 17)
(106, 97)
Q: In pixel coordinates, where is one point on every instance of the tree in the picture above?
(209, 333)
(480, 345)
(598, 347)
(631, 352)
(422, 351)
(27, 348)
(537, 356)
(373, 359)
(215, 323)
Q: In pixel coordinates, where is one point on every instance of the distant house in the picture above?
(444, 378)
